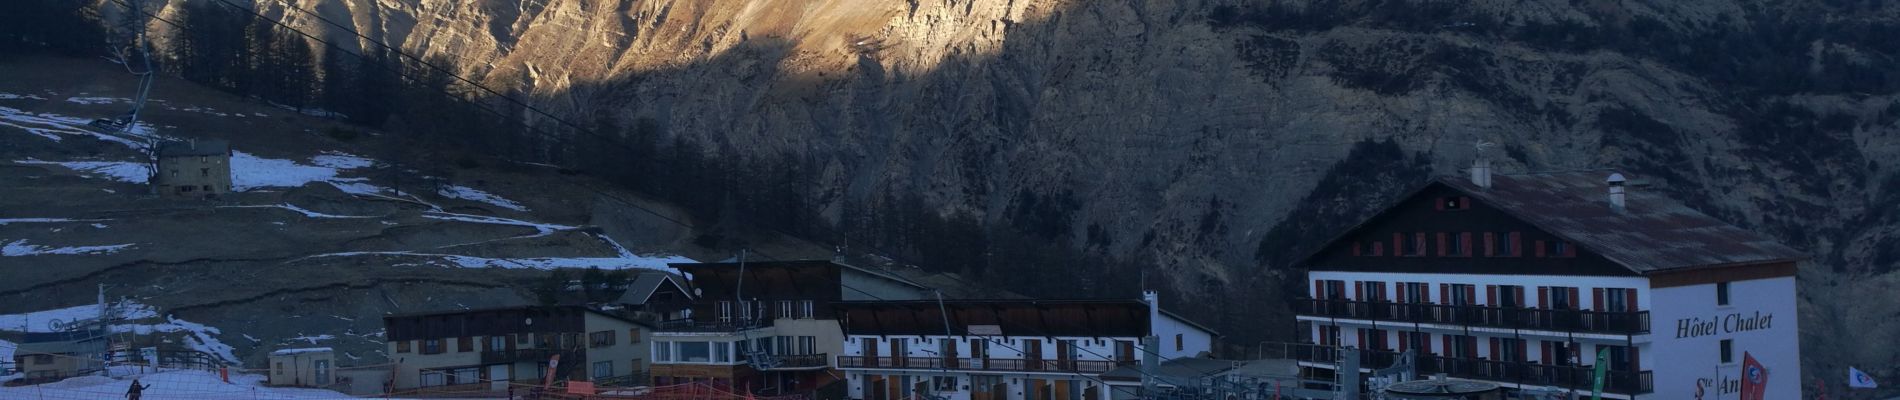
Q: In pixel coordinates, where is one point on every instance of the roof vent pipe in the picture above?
(1481, 173)
(1616, 182)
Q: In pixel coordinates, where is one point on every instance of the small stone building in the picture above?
(194, 168)
(308, 367)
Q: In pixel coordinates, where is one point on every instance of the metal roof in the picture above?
(198, 147)
(1653, 234)
(648, 282)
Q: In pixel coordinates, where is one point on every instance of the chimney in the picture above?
(1616, 192)
(1481, 173)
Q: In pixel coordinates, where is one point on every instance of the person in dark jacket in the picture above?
(136, 389)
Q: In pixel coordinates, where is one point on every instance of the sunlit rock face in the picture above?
(1209, 142)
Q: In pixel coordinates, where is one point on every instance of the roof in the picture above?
(197, 147)
(286, 352)
(1653, 234)
(514, 308)
(61, 347)
(1184, 371)
(807, 279)
(1014, 317)
(648, 282)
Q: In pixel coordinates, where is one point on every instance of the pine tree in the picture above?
(341, 92)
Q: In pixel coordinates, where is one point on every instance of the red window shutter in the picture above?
(1440, 204)
(1400, 292)
(1358, 290)
(1576, 299)
(1355, 249)
(1517, 244)
(1491, 295)
(1444, 293)
(1570, 249)
(1442, 245)
(1548, 359)
(1464, 202)
(1398, 244)
(1543, 297)
(1636, 362)
(1319, 289)
(1447, 350)
(1471, 292)
(1495, 353)
(1403, 338)
(1631, 294)
(1464, 243)
(1418, 241)
(1490, 244)
(1597, 295)
(1519, 294)
(1471, 346)
(1540, 248)
(1362, 338)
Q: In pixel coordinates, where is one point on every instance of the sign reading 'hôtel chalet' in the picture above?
(1732, 323)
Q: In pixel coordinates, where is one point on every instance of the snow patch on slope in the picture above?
(122, 171)
(20, 248)
(473, 194)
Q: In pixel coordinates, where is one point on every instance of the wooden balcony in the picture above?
(1525, 373)
(980, 364)
(1581, 321)
(801, 361)
(517, 355)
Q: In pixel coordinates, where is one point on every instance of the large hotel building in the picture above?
(1522, 279)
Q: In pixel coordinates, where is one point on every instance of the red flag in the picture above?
(1754, 378)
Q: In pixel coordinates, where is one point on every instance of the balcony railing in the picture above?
(510, 356)
(801, 361)
(689, 325)
(1525, 373)
(1628, 323)
(980, 364)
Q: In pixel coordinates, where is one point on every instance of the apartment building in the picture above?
(770, 330)
(485, 349)
(1006, 349)
(1525, 280)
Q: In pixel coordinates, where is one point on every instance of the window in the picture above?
(1620, 358)
(979, 348)
(698, 352)
(1721, 293)
(603, 370)
(174, 172)
(633, 335)
(432, 346)
(280, 367)
(521, 339)
(186, 189)
(1414, 293)
(1414, 247)
(207, 188)
(1561, 248)
(1464, 346)
(722, 352)
(1511, 296)
(1616, 300)
(1506, 245)
(1510, 350)
(785, 309)
(465, 344)
(402, 346)
(1728, 351)
(663, 351)
(463, 376)
(433, 378)
(1456, 244)
(600, 339)
(497, 343)
(1179, 343)
(1560, 299)
(1461, 294)
(807, 345)
(203, 159)
(805, 309)
(944, 383)
(1378, 249)
(204, 172)
(322, 368)
(784, 344)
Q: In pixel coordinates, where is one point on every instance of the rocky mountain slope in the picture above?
(1207, 141)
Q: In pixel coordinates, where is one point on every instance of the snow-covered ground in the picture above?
(10, 96)
(122, 171)
(473, 194)
(167, 385)
(51, 126)
(20, 248)
(654, 262)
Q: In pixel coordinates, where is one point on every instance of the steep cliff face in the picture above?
(1211, 141)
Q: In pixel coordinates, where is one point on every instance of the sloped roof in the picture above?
(1653, 234)
(1015, 317)
(199, 147)
(648, 282)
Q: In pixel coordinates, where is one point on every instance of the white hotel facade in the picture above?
(1005, 349)
(1522, 279)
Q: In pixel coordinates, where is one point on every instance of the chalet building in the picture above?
(1522, 279)
(780, 338)
(655, 294)
(52, 356)
(474, 350)
(1006, 349)
(196, 168)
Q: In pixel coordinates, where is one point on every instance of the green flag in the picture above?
(1602, 367)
